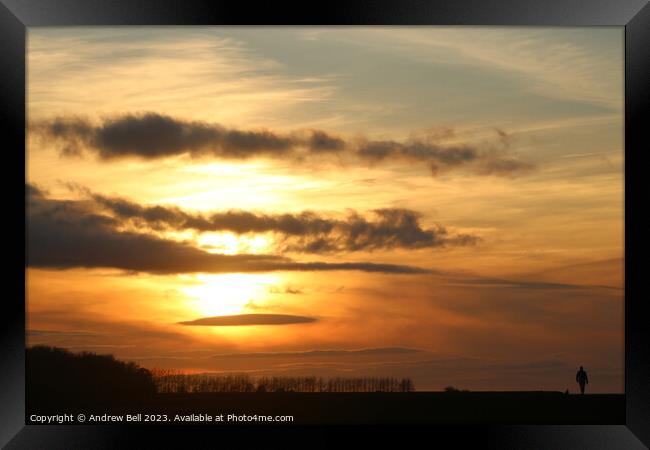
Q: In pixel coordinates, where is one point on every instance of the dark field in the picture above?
(60, 382)
(367, 408)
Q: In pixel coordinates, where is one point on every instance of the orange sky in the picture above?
(440, 203)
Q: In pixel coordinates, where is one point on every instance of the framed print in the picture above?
(274, 218)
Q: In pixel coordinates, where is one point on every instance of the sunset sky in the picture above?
(440, 203)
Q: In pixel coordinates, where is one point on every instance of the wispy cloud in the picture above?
(557, 66)
(206, 74)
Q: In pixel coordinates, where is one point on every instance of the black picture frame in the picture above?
(17, 15)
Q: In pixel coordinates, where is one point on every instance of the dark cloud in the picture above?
(31, 190)
(362, 266)
(249, 319)
(151, 135)
(65, 234)
(323, 142)
(418, 150)
(305, 232)
(74, 133)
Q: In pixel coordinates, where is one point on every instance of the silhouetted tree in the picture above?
(56, 377)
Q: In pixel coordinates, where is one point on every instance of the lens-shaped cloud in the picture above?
(249, 319)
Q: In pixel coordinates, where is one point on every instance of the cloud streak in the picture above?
(64, 234)
(151, 136)
(382, 351)
(249, 319)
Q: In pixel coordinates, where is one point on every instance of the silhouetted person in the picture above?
(581, 378)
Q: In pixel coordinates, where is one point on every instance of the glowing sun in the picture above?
(227, 294)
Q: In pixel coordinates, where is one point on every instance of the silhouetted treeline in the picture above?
(56, 376)
(58, 379)
(171, 381)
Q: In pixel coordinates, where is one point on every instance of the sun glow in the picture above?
(228, 293)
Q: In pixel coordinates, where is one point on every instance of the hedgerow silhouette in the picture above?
(172, 381)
